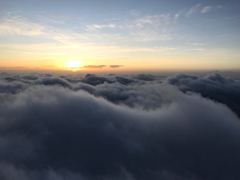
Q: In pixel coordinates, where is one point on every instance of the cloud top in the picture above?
(118, 127)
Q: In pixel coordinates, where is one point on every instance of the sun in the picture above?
(73, 65)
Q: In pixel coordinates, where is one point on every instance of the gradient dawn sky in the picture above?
(120, 35)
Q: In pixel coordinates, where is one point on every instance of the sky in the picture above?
(123, 35)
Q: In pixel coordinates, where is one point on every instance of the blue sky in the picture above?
(156, 33)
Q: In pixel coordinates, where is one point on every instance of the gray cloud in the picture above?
(93, 127)
(94, 66)
(145, 77)
(95, 80)
(115, 66)
(49, 81)
(214, 86)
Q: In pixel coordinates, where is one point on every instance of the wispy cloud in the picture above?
(54, 48)
(138, 30)
(15, 67)
(49, 18)
(219, 7)
(176, 16)
(195, 44)
(157, 20)
(100, 26)
(17, 25)
(142, 22)
(20, 26)
(197, 49)
(206, 9)
(193, 9)
(151, 28)
(135, 12)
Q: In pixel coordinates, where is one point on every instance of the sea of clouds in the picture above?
(131, 127)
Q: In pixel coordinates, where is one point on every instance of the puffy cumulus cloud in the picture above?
(11, 87)
(49, 81)
(134, 96)
(75, 130)
(94, 79)
(145, 77)
(214, 86)
(124, 80)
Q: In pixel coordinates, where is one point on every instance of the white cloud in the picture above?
(100, 26)
(193, 9)
(206, 9)
(176, 16)
(155, 20)
(146, 28)
(151, 28)
(17, 25)
(141, 22)
(20, 26)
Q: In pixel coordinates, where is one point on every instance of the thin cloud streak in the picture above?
(94, 66)
(115, 66)
(98, 26)
(206, 9)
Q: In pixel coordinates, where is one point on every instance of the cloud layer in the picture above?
(119, 127)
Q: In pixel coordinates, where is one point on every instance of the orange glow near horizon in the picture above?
(115, 64)
(73, 65)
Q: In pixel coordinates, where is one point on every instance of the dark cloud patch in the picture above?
(214, 86)
(30, 77)
(50, 81)
(47, 75)
(124, 80)
(111, 74)
(63, 128)
(115, 66)
(6, 77)
(11, 78)
(145, 77)
(13, 87)
(4, 74)
(95, 80)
